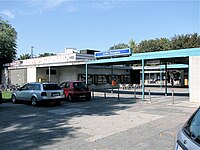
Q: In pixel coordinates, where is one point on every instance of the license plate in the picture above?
(55, 94)
(83, 96)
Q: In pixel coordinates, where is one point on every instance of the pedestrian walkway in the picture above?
(155, 91)
(156, 95)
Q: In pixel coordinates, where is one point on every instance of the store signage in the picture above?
(114, 53)
(153, 62)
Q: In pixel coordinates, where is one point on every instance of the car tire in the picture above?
(14, 100)
(34, 101)
(70, 98)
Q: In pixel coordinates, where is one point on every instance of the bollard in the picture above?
(150, 96)
(135, 93)
(105, 93)
(172, 96)
(118, 92)
(92, 93)
(1, 99)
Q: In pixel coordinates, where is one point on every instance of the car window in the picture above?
(63, 85)
(67, 85)
(192, 127)
(37, 87)
(24, 87)
(51, 87)
(31, 87)
(79, 85)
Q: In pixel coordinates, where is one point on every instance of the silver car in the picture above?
(188, 138)
(38, 92)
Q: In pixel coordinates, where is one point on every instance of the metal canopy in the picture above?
(172, 56)
(181, 56)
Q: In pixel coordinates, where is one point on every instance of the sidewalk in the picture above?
(180, 98)
(154, 91)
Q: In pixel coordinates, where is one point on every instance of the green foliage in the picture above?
(154, 45)
(24, 56)
(176, 42)
(46, 54)
(133, 46)
(8, 43)
(119, 46)
(185, 41)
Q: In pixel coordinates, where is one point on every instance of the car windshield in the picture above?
(51, 87)
(79, 85)
(192, 127)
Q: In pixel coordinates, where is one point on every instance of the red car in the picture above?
(76, 90)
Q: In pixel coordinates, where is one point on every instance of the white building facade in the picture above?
(68, 66)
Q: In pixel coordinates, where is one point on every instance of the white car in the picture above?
(188, 138)
(37, 92)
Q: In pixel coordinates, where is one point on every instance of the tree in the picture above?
(154, 45)
(8, 44)
(46, 54)
(133, 46)
(119, 46)
(24, 56)
(185, 41)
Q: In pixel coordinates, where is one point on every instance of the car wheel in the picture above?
(70, 98)
(14, 100)
(34, 101)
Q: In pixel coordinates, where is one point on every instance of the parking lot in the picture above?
(106, 124)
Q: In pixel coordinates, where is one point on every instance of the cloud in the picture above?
(74, 5)
(8, 13)
(44, 5)
(71, 8)
(106, 4)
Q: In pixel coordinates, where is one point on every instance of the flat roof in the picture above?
(161, 55)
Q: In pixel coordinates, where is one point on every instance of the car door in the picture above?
(21, 92)
(65, 86)
(27, 91)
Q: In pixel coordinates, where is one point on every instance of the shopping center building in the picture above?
(99, 69)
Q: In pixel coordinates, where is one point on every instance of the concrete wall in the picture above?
(18, 76)
(67, 73)
(194, 78)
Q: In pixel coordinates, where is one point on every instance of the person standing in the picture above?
(172, 82)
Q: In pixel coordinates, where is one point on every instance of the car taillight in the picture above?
(44, 94)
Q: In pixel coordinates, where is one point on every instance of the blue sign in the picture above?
(113, 53)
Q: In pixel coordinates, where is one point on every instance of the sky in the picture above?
(50, 26)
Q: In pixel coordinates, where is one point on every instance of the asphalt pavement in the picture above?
(110, 121)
